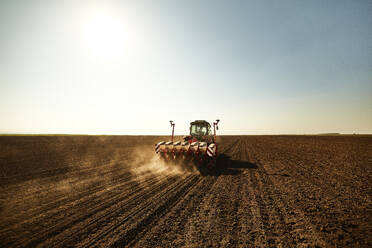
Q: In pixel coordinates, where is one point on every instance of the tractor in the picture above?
(199, 147)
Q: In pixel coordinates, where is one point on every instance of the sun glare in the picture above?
(105, 33)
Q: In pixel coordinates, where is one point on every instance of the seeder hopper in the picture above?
(199, 148)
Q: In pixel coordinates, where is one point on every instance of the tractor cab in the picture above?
(200, 130)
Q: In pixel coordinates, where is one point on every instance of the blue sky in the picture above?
(127, 67)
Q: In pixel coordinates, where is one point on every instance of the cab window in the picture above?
(199, 130)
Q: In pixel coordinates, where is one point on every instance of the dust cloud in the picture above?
(145, 160)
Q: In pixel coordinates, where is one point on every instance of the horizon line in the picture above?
(87, 134)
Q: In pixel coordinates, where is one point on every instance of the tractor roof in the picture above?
(200, 122)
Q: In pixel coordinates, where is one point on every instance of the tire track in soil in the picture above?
(215, 222)
(267, 223)
(300, 228)
(244, 215)
(169, 229)
(41, 211)
(44, 188)
(55, 210)
(270, 223)
(95, 228)
(115, 181)
(301, 206)
(294, 228)
(96, 206)
(273, 223)
(172, 228)
(231, 210)
(155, 209)
(178, 213)
(254, 219)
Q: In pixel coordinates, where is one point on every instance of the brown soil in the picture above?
(110, 191)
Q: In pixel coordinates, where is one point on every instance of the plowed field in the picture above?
(110, 191)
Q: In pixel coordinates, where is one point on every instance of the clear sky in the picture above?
(128, 67)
